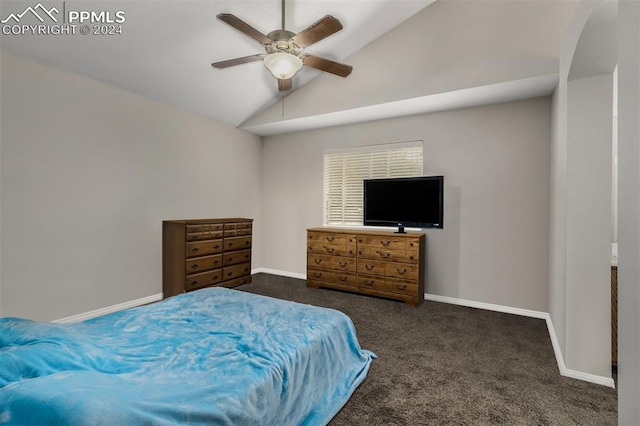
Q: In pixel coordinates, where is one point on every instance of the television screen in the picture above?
(412, 202)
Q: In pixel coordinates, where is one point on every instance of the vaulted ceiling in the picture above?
(409, 56)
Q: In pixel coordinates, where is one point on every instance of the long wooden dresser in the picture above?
(198, 253)
(377, 263)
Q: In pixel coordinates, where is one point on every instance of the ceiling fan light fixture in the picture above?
(282, 65)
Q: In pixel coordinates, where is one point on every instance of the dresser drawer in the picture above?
(198, 264)
(238, 281)
(406, 256)
(405, 271)
(337, 263)
(382, 242)
(331, 249)
(237, 243)
(242, 228)
(337, 277)
(202, 248)
(245, 231)
(330, 238)
(372, 267)
(370, 282)
(203, 279)
(321, 261)
(346, 264)
(208, 235)
(236, 271)
(235, 257)
(193, 229)
(204, 227)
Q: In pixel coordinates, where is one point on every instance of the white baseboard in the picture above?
(574, 374)
(486, 306)
(110, 309)
(280, 273)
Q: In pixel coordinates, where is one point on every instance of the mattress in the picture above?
(214, 356)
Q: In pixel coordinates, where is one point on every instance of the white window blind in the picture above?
(344, 171)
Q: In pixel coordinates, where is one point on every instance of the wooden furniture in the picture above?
(200, 253)
(377, 263)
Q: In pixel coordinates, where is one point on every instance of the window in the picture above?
(345, 169)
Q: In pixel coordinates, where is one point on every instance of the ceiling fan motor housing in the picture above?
(282, 43)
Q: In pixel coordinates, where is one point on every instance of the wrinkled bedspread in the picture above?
(214, 356)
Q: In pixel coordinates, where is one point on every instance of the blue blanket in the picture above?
(214, 356)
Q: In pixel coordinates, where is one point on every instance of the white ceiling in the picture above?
(166, 47)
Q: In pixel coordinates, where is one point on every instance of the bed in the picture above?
(214, 356)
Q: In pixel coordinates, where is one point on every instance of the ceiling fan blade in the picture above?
(327, 65)
(284, 85)
(238, 61)
(317, 31)
(244, 28)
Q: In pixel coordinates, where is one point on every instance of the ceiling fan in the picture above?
(284, 55)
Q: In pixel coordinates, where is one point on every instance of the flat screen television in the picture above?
(415, 202)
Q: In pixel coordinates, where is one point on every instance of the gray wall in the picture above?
(629, 213)
(588, 228)
(580, 231)
(88, 173)
(449, 45)
(495, 160)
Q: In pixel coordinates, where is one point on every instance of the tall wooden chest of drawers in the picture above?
(200, 253)
(377, 263)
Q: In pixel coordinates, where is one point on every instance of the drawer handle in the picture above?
(229, 259)
(229, 274)
(403, 271)
(317, 274)
(331, 238)
(343, 279)
(230, 244)
(411, 257)
(401, 287)
(246, 256)
(369, 282)
(192, 283)
(195, 249)
(329, 249)
(194, 266)
(215, 262)
(385, 244)
(384, 255)
(369, 267)
(318, 261)
(216, 246)
(343, 264)
(246, 243)
(215, 277)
